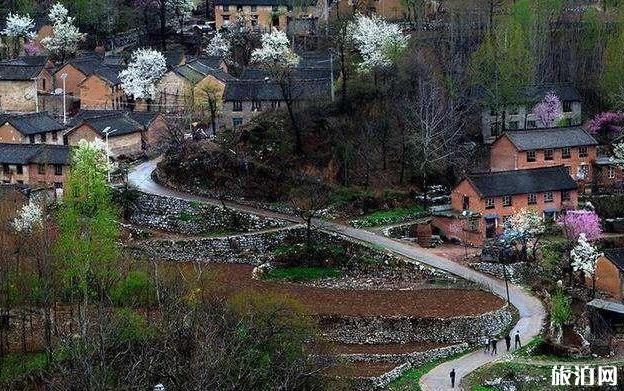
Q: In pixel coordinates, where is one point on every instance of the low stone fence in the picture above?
(517, 273)
(402, 329)
(399, 231)
(195, 218)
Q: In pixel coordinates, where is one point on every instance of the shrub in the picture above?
(131, 327)
(392, 216)
(561, 311)
(315, 255)
(135, 289)
(608, 207)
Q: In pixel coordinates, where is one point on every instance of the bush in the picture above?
(392, 216)
(608, 207)
(561, 311)
(131, 327)
(135, 290)
(302, 273)
(315, 255)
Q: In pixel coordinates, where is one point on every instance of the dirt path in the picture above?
(531, 311)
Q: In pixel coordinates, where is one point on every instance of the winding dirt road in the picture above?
(531, 311)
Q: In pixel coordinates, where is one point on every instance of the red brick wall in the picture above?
(601, 176)
(503, 155)
(608, 278)
(74, 78)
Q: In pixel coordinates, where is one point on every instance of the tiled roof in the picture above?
(31, 123)
(616, 256)
(34, 153)
(109, 73)
(265, 2)
(211, 61)
(87, 64)
(22, 68)
(262, 90)
(538, 180)
(123, 122)
(572, 136)
(196, 70)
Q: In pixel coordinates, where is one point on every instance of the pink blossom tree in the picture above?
(549, 110)
(607, 125)
(577, 222)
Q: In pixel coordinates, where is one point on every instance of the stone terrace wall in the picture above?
(195, 218)
(400, 329)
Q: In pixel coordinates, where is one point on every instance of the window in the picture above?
(54, 136)
(567, 106)
(237, 105)
(531, 124)
(489, 203)
(43, 138)
(31, 138)
(237, 121)
(5, 169)
(275, 104)
(254, 8)
(254, 20)
(565, 153)
(530, 156)
(532, 199)
(506, 200)
(565, 195)
(226, 8)
(611, 172)
(567, 168)
(58, 169)
(256, 105)
(513, 125)
(226, 19)
(583, 152)
(21, 182)
(41, 169)
(549, 154)
(548, 196)
(58, 185)
(19, 169)
(583, 172)
(465, 202)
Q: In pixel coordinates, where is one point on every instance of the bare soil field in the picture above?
(390, 348)
(359, 369)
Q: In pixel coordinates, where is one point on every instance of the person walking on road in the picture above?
(494, 346)
(452, 378)
(486, 344)
(517, 343)
(508, 341)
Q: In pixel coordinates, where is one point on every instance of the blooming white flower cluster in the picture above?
(66, 35)
(378, 41)
(18, 26)
(526, 222)
(96, 148)
(146, 67)
(275, 51)
(30, 217)
(218, 46)
(584, 256)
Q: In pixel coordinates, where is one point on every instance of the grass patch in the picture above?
(540, 376)
(410, 380)
(15, 366)
(384, 217)
(302, 273)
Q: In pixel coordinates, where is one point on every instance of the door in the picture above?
(490, 228)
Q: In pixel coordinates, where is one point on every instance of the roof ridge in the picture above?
(559, 166)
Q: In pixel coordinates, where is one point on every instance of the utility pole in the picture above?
(63, 77)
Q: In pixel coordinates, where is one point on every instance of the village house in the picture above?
(21, 80)
(192, 81)
(608, 173)
(102, 89)
(520, 116)
(485, 200)
(571, 147)
(243, 99)
(265, 14)
(130, 133)
(30, 128)
(610, 273)
(81, 67)
(36, 165)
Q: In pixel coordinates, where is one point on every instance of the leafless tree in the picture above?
(309, 197)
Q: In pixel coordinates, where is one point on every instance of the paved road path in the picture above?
(531, 310)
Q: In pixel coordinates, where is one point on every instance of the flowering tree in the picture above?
(172, 13)
(19, 28)
(146, 67)
(618, 150)
(218, 46)
(549, 110)
(66, 36)
(584, 256)
(29, 218)
(607, 125)
(523, 229)
(580, 222)
(379, 42)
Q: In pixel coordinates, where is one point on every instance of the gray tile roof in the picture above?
(34, 153)
(22, 68)
(300, 73)
(266, 2)
(572, 136)
(124, 122)
(538, 180)
(109, 73)
(616, 256)
(211, 61)
(196, 70)
(32, 123)
(262, 90)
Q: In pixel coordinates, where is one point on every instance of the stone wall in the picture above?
(195, 218)
(517, 273)
(401, 329)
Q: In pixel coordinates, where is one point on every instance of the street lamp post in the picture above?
(106, 132)
(63, 77)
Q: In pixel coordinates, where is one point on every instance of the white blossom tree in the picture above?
(19, 28)
(525, 227)
(584, 256)
(380, 43)
(218, 46)
(618, 150)
(179, 11)
(279, 60)
(30, 217)
(146, 67)
(65, 37)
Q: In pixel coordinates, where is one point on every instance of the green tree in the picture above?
(87, 247)
(612, 78)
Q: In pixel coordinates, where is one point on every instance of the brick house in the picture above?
(265, 14)
(610, 273)
(30, 128)
(571, 147)
(81, 67)
(183, 82)
(21, 80)
(243, 99)
(36, 165)
(131, 133)
(608, 173)
(520, 116)
(485, 200)
(102, 89)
